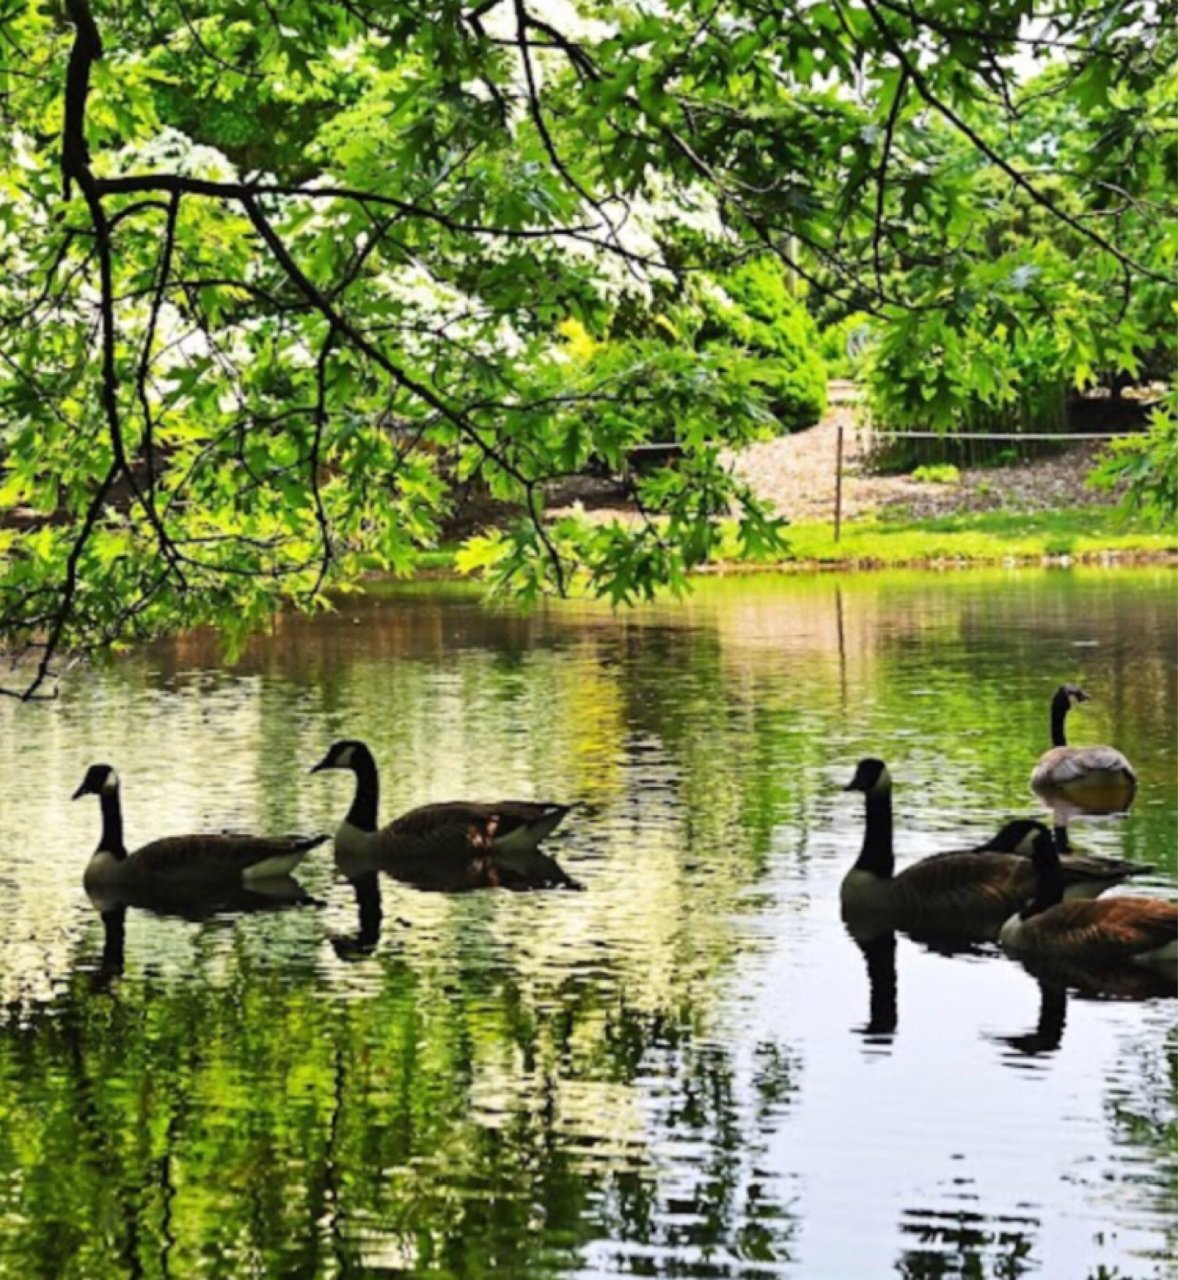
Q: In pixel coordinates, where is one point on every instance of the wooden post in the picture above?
(838, 486)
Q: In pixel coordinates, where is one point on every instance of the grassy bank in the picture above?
(992, 537)
(981, 538)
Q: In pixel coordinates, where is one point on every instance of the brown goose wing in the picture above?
(513, 814)
(1066, 766)
(218, 854)
(448, 822)
(451, 822)
(966, 883)
(1108, 929)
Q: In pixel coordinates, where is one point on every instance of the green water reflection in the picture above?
(684, 1070)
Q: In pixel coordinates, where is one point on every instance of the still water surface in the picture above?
(688, 1070)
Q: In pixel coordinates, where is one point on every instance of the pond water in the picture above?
(688, 1070)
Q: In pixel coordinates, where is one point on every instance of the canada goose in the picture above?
(113, 873)
(1099, 779)
(975, 885)
(460, 844)
(1112, 931)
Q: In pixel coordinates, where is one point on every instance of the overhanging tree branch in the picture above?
(1020, 180)
(400, 376)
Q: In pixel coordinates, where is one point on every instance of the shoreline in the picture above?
(940, 564)
(1088, 535)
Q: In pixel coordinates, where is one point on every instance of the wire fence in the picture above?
(883, 437)
(1058, 436)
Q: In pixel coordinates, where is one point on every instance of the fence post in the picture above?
(838, 486)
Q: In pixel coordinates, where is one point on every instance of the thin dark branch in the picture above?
(399, 375)
(240, 190)
(313, 460)
(896, 48)
(881, 178)
(141, 377)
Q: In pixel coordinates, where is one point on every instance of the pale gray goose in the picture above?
(983, 883)
(192, 860)
(1109, 932)
(489, 843)
(1099, 777)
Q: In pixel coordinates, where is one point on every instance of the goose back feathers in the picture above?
(1111, 931)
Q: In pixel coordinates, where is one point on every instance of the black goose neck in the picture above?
(1059, 711)
(877, 855)
(112, 825)
(1048, 886)
(362, 814)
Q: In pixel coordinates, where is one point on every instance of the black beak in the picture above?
(81, 791)
(853, 785)
(325, 763)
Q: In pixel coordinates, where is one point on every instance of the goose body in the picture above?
(982, 884)
(1100, 777)
(188, 860)
(446, 845)
(1109, 932)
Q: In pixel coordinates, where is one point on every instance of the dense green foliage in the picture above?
(1147, 466)
(1039, 314)
(754, 313)
(276, 284)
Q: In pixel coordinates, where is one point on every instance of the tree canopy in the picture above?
(280, 277)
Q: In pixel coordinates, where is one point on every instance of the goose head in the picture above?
(1018, 836)
(871, 777)
(1069, 695)
(100, 780)
(348, 753)
(1044, 854)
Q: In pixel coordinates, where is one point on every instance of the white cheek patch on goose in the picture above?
(345, 757)
(883, 782)
(110, 783)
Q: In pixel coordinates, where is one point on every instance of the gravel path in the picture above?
(796, 473)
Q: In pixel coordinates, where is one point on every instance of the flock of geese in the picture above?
(1023, 888)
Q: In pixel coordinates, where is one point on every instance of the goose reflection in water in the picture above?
(1128, 983)
(198, 904)
(457, 868)
(879, 951)
(1065, 808)
(877, 942)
